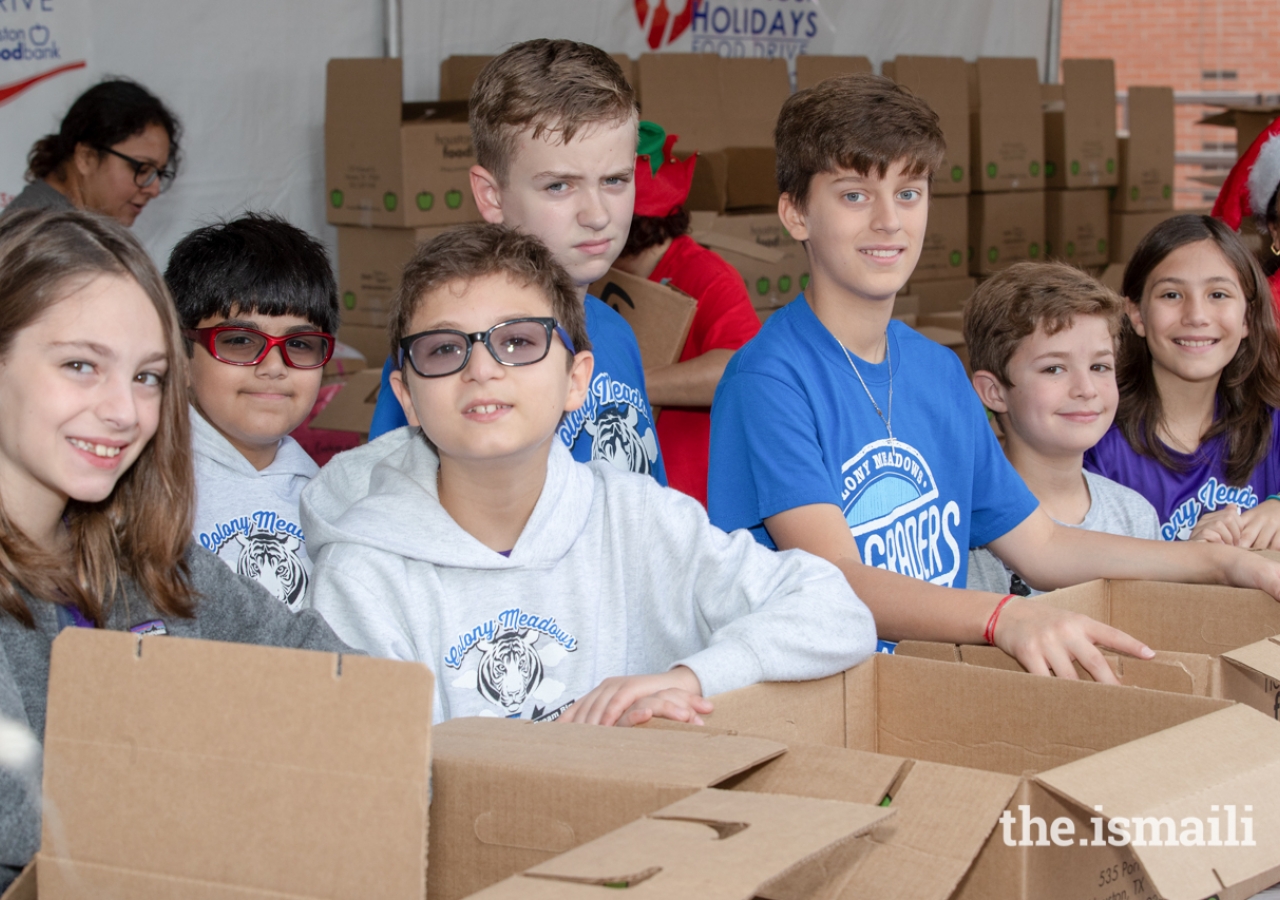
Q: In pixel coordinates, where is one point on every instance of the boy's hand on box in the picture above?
(1260, 526)
(1222, 526)
(1047, 640)
(635, 699)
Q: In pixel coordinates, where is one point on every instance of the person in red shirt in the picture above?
(658, 248)
(1253, 188)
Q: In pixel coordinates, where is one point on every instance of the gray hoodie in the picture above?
(249, 519)
(612, 575)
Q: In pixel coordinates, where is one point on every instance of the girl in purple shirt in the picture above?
(1199, 377)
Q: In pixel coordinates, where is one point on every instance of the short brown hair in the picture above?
(1010, 306)
(859, 122)
(468, 252)
(552, 87)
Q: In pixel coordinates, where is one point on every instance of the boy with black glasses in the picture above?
(535, 586)
(259, 307)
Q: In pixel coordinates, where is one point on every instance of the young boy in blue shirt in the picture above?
(555, 126)
(847, 434)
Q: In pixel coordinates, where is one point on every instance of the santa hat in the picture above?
(662, 181)
(1253, 180)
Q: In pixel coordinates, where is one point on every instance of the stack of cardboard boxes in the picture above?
(1143, 197)
(1080, 161)
(728, 121)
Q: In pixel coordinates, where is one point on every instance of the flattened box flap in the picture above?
(1197, 770)
(237, 765)
(659, 314)
(1262, 657)
(642, 755)
(714, 845)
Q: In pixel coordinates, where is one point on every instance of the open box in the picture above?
(1210, 641)
(1076, 746)
(200, 769)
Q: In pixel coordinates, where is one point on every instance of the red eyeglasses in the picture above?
(236, 345)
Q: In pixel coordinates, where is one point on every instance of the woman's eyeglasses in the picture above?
(519, 342)
(145, 173)
(240, 346)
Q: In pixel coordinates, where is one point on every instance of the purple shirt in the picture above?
(1199, 486)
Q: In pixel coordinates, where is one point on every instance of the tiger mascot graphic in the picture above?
(272, 560)
(510, 669)
(616, 440)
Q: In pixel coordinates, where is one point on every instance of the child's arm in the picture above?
(1255, 529)
(1041, 637)
(635, 699)
(1048, 556)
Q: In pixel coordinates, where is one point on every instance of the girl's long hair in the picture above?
(1249, 387)
(141, 531)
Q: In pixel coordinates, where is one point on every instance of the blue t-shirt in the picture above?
(792, 425)
(615, 423)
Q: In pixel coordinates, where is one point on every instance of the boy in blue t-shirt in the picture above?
(555, 126)
(842, 432)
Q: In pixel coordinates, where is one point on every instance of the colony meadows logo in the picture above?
(735, 28)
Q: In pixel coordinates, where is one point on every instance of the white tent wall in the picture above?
(247, 77)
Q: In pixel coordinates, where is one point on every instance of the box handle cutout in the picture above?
(624, 881)
(723, 830)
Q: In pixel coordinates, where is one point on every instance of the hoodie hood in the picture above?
(384, 496)
(209, 443)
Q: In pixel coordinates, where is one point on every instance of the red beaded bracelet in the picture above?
(990, 634)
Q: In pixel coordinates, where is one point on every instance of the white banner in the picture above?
(44, 52)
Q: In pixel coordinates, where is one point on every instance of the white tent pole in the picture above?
(1053, 50)
(393, 40)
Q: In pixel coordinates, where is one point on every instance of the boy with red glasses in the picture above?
(535, 586)
(259, 308)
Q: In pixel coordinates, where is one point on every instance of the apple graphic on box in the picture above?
(389, 201)
(39, 35)
(453, 199)
(335, 197)
(349, 300)
(426, 200)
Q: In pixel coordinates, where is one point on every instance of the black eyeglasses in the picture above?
(145, 173)
(236, 345)
(520, 342)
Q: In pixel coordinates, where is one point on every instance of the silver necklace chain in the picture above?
(888, 422)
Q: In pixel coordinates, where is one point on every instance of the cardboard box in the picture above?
(942, 82)
(1077, 226)
(509, 797)
(1006, 125)
(459, 73)
(1146, 153)
(1080, 126)
(1210, 641)
(389, 163)
(735, 178)
(351, 409)
(1248, 121)
(773, 265)
(941, 296)
(659, 314)
(185, 768)
(373, 342)
(813, 70)
(1113, 277)
(370, 264)
(946, 241)
(1128, 229)
(1005, 229)
(714, 845)
(712, 102)
(1076, 745)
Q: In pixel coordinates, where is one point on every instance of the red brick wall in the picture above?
(1175, 42)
